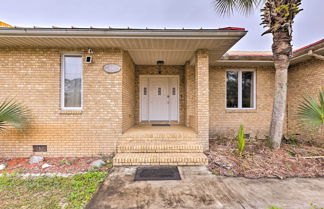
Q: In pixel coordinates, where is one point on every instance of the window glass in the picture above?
(232, 89)
(240, 89)
(247, 90)
(72, 81)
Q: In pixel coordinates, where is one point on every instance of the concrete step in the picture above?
(135, 159)
(159, 146)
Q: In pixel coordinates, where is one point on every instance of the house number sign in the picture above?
(111, 68)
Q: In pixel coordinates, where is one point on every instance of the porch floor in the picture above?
(159, 145)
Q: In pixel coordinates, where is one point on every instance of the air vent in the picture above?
(39, 148)
(160, 62)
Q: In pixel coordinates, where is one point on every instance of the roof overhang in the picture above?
(266, 59)
(146, 46)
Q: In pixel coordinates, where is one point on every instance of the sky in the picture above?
(308, 27)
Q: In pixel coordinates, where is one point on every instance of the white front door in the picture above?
(159, 98)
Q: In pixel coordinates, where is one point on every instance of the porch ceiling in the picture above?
(146, 46)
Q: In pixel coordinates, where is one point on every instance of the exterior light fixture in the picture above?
(160, 63)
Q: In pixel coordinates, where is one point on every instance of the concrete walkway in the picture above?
(199, 189)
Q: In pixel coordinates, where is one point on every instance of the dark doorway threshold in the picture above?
(160, 124)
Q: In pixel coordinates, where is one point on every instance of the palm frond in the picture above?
(228, 7)
(13, 114)
(310, 112)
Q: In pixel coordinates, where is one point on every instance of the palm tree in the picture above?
(13, 114)
(310, 112)
(278, 16)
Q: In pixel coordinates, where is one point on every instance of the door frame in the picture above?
(140, 94)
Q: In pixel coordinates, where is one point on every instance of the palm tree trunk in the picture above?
(281, 49)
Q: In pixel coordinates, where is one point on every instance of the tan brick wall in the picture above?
(165, 70)
(128, 92)
(202, 96)
(32, 76)
(304, 79)
(225, 123)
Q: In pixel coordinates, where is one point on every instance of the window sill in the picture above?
(70, 112)
(240, 110)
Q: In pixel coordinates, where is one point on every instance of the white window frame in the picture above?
(240, 89)
(66, 54)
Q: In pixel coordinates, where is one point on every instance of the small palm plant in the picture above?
(311, 113)
(13, 114)
(241, 140)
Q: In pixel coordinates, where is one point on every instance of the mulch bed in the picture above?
(59, 165)
(259, 161)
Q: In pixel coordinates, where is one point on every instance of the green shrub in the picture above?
(241, 140)
(311, 112)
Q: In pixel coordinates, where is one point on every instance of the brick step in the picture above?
(152, 139)
(130, 159)
(160, 135)
(159, 146)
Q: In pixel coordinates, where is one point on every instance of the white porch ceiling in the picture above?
(175, 47)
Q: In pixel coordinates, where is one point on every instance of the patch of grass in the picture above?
(313, 206)
(216, 172)
(49, 192)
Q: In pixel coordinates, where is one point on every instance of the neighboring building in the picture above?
(182, 78)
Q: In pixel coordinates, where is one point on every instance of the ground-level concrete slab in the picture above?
(201, 189)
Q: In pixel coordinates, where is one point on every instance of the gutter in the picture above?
(120, 33)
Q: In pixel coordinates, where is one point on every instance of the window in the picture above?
(240, 89)
(72, 82)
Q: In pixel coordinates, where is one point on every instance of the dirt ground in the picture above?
(60, 165)
(201, 189)
(258, 160)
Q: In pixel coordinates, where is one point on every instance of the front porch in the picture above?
(173, 95)
(145, 144)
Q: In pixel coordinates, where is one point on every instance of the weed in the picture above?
(241, 140)
(215, 172)
(291, 153)
(65, 162)
(291, 140)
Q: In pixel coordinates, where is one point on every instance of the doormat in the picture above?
(160, 124)
(157, 173)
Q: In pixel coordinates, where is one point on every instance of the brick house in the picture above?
(152, 96)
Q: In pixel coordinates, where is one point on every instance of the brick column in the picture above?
(187, 93)
(202, 96)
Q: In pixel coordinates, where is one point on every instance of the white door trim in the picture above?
(161, 76)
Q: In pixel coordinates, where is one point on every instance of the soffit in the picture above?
(175, 47)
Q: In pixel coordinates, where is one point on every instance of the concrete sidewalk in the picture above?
(199, 189)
